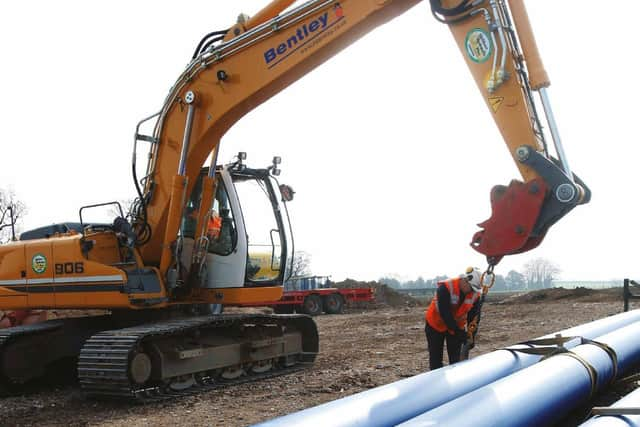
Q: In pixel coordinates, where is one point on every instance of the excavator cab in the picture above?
(249, 239)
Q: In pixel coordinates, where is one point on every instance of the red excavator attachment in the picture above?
(514, 212)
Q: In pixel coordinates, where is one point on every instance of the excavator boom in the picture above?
(498, 45)
(230, 79)
(260, 57)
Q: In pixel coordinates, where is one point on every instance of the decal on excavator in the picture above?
(302, 36)
(496, 102)
(39, 263)
(70, 268)
(478, 45)
(337, 9)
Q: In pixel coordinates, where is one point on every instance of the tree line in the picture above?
(538, 273)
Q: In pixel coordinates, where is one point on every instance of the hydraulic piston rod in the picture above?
(189, 99)
(555, 134)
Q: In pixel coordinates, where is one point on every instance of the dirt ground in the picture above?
(359, 350)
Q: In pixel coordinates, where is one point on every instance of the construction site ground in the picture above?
(364, 348)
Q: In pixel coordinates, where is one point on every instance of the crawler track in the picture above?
(104, 366)
(44, 351)
(9, 336)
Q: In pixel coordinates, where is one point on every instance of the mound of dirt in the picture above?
(384, 295)
(554, 294)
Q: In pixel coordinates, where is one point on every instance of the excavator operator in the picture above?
(456, 301)
(213, 226)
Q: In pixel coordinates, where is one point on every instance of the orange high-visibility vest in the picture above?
(213, 227)
(459, 308)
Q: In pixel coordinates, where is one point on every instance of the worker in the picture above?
(455, 302)
(213, 226)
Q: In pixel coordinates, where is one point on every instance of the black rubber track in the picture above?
(9, 336)
(103, 364)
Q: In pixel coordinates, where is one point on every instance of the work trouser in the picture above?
(435, 341)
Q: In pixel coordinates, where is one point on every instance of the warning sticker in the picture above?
(496, 102)
(478, 45)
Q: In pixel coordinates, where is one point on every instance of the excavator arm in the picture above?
(497, 43)
(234, 71)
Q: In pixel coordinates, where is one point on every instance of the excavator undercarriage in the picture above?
(158, 359)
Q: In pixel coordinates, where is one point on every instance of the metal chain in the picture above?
(488, 274)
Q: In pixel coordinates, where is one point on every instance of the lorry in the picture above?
(314, 295)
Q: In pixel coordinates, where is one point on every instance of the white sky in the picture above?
(389, 145)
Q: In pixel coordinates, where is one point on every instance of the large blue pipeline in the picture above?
(397, 402)
(543, 393)
(632, 400)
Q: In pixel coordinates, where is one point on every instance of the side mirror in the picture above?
(286, 192)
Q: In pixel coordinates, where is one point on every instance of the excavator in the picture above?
(162, 271)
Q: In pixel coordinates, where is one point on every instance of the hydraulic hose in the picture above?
(205, 42)
(462, 7)
(210, 42)
(144, 235)
(446, 15)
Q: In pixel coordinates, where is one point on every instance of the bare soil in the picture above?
(359, 350)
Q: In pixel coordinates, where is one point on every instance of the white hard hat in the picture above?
(474, 277)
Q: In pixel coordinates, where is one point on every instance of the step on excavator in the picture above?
(163, 271)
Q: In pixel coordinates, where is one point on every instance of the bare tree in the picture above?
(540, 273)
(301, 264)
(10, 205)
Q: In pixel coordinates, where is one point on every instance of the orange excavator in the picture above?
(162, 273)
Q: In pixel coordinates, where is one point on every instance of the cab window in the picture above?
(221, 228)
(263, 235)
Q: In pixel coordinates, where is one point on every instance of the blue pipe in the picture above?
(540, 394)
(631, 400)
(399, 401)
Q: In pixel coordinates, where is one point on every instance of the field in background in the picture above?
(364, 348)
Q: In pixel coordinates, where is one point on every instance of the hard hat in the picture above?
(474, 277)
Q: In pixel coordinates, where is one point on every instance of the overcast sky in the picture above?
(389, 145)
